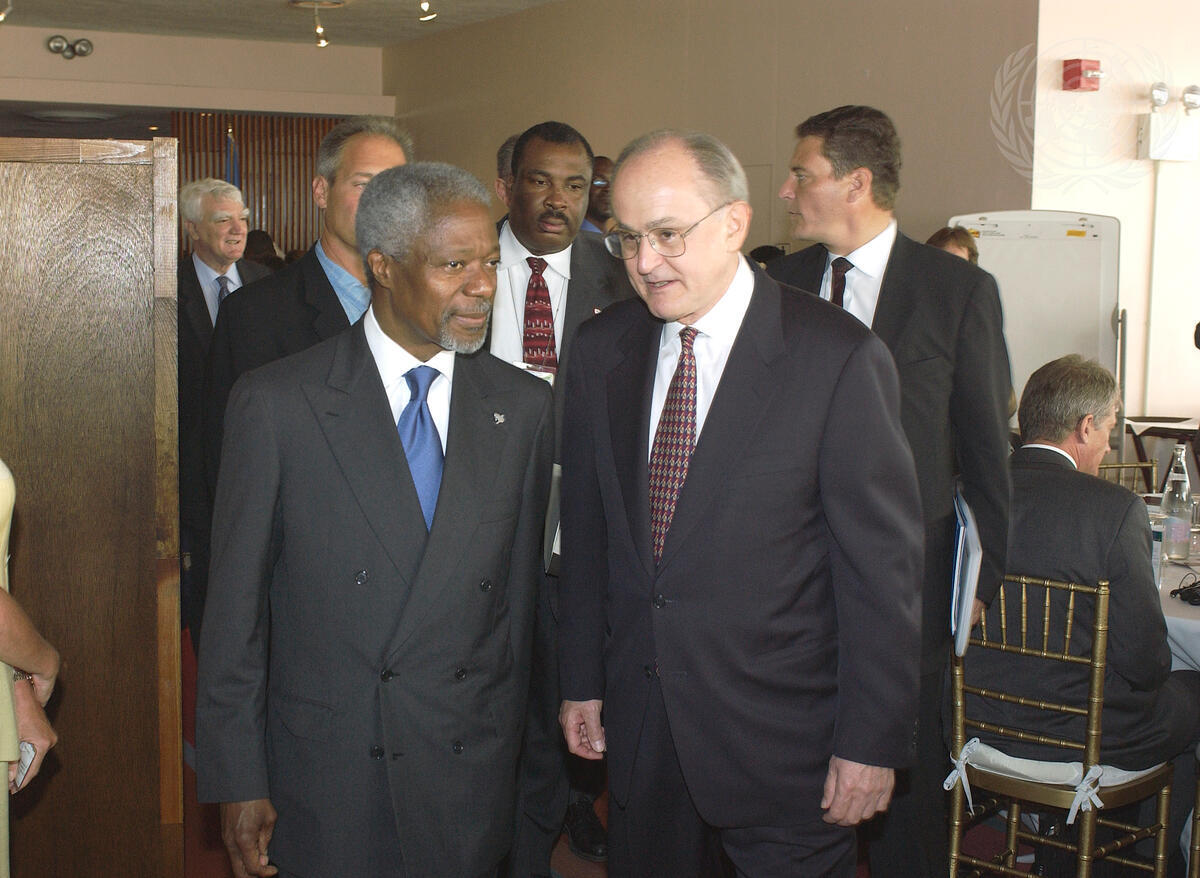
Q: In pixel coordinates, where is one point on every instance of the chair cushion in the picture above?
(990, 759)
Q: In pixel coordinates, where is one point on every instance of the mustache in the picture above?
(553, 214)
(484, 308)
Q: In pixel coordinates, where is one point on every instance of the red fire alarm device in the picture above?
(1081, 74)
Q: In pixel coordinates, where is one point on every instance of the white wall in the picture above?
(1085, 160)
(193, 73)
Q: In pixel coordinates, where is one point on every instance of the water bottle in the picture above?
(1156, 553)
(1177, 507)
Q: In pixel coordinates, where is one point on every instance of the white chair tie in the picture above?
(960, 771)
(1086, 796)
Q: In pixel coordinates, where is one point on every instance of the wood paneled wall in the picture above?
(277, 160)
(87, 426)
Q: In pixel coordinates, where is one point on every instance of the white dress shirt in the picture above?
(209, 285)
(508, 309)
(393, 361)
(864, 280)
(715, 333)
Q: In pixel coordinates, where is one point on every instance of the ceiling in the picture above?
(357, 23)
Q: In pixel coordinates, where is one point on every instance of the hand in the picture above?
(34, 727)
(855, 792)
(977, 611)
(246, 829)
(580, 721)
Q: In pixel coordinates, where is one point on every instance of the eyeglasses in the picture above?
(1189, 589)
(625, 244)
(599, 182)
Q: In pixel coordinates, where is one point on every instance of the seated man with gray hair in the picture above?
(1068, 524)
(364, 671)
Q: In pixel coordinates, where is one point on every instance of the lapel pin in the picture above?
(596, 310)
(498, 417)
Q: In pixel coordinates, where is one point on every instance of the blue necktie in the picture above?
(222, 288)
(419, 436)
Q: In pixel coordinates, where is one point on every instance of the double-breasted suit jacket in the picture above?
(782, 620)
(368, 678)
(940, 317)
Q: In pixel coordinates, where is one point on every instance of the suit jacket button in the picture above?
(460, 674)
(360, 577)
(386, 674)
(376, 752)
(458, 747)
(485, 585)
(659, 601)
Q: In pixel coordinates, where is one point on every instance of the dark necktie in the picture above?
(538, 337)
(673, 442)
(222, 289)
(837, 282)
(419, 436)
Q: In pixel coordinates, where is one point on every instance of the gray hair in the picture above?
(192, 195)
(400, 204)
(329, 156)
(504, 156)
(1061, 394)
(717, 164)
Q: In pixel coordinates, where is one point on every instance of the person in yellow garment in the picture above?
(27, 677)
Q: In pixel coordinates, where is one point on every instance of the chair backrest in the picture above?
(1034, 669)
(1137, 476)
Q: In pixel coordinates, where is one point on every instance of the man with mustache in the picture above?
(365, 662)
(551, 279)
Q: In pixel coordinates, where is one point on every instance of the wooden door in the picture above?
(88, 427)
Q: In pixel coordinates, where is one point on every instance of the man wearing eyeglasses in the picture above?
(1071, 526)
(739, 620)
(551, 279)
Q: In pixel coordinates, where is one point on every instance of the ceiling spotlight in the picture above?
(1191, 99)
(315, 6)
(426, 14)
(57, 44)
(4, 12)
(83, 48)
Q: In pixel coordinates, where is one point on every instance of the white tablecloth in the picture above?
(1183, 619)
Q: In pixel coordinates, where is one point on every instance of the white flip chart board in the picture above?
(1057, 274)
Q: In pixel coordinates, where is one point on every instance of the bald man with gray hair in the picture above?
(378, 560)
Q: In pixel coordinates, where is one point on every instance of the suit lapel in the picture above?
(630, 388)
(895, 305)
(329, 317)
(474, 448)
(195, 310)
(583, 296)
(739, 404)
(353, 411)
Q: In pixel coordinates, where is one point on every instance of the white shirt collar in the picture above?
(1053, 448)
(393, 361)
(513, 251)
(872, 257)
(724, 319)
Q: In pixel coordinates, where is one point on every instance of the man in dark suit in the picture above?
(940, 317)
(316, 297)
(365, 664)
(552, 278)
(741, 544)
(214, 219)
(1067, 524)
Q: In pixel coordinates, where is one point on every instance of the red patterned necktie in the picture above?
(837, 282)
(538, 337)
(673, 442)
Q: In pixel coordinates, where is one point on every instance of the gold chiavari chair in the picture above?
(1137, 476)
(1038, 618)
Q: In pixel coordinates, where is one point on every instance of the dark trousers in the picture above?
(910, 840)
(658, 832)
